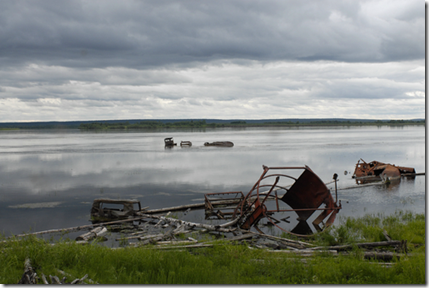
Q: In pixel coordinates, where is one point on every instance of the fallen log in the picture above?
(201, 245)
(140, 237)
(44, 279)
(54, 279)
(305, 252)
(190, 206)
(29, 276)
(293, 243)
(219, 228)
(361, 245)
(189, 241)
(94, 233)
(414, 174)
(78, 280)
(77, 228)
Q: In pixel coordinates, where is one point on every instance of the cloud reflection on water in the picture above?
(78, 167)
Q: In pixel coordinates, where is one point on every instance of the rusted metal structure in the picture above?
(380, 171)
(304, 195)
(222, 205)
(274, 198)
(169, 142)
(220, 144)
(111, 209)
(186, 143)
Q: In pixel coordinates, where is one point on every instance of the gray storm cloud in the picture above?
(88, 60)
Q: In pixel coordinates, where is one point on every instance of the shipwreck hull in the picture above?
(380, 171)
(265, 205)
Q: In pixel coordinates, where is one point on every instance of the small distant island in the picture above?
(201, 124)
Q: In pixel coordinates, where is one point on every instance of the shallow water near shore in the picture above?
(49, 179)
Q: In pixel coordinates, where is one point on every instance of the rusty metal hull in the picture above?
(381, 170)
(169, 142)
(307, 195)
(111, 209)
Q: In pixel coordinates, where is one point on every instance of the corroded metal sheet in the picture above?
(306, 195)
(308, 192)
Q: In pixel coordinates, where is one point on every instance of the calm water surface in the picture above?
(48, 179)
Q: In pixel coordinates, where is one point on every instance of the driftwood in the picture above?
(385, 256)
(77, 228)
(78, 280)
(292, 243)
(190, 206)
(29, 276)
(44, 279)
(305, 252)
(94, 233)
(200, 245)
(220, 228)
(189, 241)
(386, 235)
(363, 245)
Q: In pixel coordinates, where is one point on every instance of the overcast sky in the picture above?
(248, 59)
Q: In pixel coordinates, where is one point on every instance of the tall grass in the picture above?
(229, 263)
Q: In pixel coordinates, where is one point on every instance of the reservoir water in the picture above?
(48, 179)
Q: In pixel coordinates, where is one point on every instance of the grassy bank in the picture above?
(232, 263)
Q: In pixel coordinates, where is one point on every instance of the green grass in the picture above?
(230, 263)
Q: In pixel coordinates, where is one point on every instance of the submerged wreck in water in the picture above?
(220, 144)
(113, 209)
(306, 196)
(169, 142)
(376, 171)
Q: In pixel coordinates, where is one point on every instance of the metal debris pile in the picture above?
(280, 202)
(378, 171)
(275, 200)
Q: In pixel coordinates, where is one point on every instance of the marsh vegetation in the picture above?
(231, 262)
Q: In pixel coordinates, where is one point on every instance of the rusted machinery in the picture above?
(304, 195)
(273, 202)
(169, 142)
(110, 209)
(380, 171)
(185, 143)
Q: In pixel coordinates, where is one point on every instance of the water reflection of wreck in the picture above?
(378, 171)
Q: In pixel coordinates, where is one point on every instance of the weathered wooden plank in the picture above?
(94, 233)
(361, 245)
(220, 228)
(294, 243)
(77, 228)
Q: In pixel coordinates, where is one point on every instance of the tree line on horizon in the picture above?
(202, 124)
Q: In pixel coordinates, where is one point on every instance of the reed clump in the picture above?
(231, 263)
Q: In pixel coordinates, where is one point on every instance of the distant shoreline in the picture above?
(201, 124)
